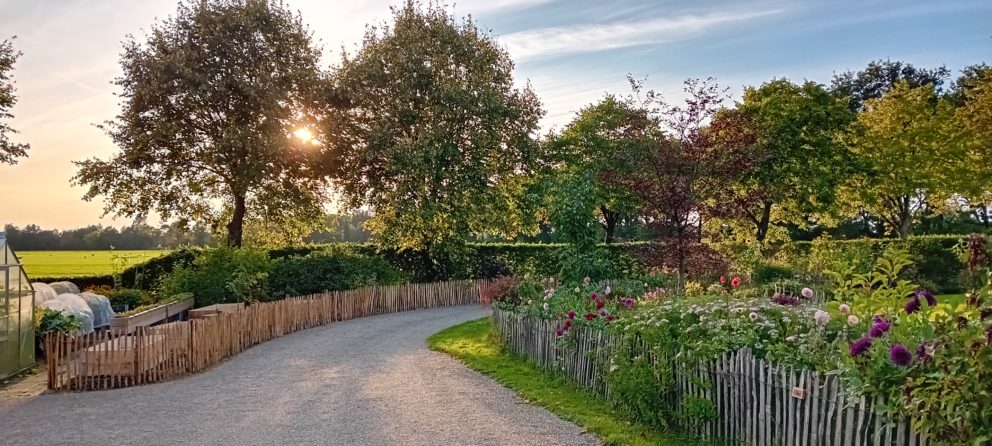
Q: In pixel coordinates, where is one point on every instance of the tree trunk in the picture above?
(763, 222)
(235, 229)
(610, 220)
(906, 218)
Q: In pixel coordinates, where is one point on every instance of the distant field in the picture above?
(81, 263)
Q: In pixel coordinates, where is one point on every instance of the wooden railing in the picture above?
(754, 402)
(112, 359)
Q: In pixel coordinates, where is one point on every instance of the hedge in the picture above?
(83, 282)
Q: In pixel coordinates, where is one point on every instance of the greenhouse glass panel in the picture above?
(16, 310)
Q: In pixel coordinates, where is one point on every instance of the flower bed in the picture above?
(886, 342)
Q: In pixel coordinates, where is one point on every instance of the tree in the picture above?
(9, 151)
(879, 77)
(677, 177)
(972, 76)
(974, 116)
(210, 103)
(434, 138)
(798, 162)
(910, 153)
(591, 143)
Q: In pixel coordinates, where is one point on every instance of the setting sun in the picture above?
(304, 135)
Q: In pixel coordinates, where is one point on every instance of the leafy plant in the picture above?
(48, 321)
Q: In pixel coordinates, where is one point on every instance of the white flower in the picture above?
(577, 289)
(822, 317)
(844, 309)
(853, 320)
(791, 339)
(753, 316)
(530, 302)
(807, 293)
(608, 290)
(546, 306)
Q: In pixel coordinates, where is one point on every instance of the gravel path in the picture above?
(368, 381)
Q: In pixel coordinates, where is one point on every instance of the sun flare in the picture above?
(303, 134)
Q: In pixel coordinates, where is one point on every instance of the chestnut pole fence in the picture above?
(109, 359)
(753, 402)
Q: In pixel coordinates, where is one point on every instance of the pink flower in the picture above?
(736, 282)
(822, 317)
(723, 279)
(586, 280)
(853, 320)
(571, 314)
(844, 309)
(590, 316)
(807, 293)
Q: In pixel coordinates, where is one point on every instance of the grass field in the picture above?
(81, 263)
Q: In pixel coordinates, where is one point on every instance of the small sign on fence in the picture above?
(799, 393)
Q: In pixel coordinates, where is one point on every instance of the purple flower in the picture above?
(590, 316)
(594, 296)
(571, 314)
(926, 294)
(860, 347)
(628, 302)
(900, 356)
(913, 305)
(559, 333)
(881, 327)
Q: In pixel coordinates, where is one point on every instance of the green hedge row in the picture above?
(938, 264)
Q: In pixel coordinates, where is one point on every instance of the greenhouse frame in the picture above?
(16, 314)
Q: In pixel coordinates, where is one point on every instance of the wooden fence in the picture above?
(755, 402)
(111, 359)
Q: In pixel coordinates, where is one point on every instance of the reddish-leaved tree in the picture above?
(678, 177)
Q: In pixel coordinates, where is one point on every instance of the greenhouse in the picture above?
(16, 309)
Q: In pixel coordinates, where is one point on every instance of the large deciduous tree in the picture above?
(974, 116)
(911, 156)
(210, 101)
(799, 163)
(879, 77)
(9, 150)
(590, 145)
(434, 137)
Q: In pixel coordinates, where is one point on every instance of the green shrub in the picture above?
(149, 275)
(83, 282)
(47, 320)
(937, 262)
(221, 275)
(766, 273)
(329, 271)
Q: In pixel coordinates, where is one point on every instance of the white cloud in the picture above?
(586, 38)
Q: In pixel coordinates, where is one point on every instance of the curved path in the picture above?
(369, 381)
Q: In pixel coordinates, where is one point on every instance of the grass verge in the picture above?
(472, 343)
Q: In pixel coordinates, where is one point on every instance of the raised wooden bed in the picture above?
(215, 309)
(127, 324)
(116, 357)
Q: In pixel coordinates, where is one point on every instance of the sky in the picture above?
(571, 51)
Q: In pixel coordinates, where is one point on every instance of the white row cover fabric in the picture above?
(64, 287)
(100, 305)
(76, 306)
(43, 292)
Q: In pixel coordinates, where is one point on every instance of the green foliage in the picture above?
(433, 136)
(47, 321)
(766, 273)
(222, 276)
(588, 147)
(936, 262)
(148, 275)
(9, 151)
(332, 270)
(941, 381)
(798, 161)
(209, 105)
(882, 289)
(910, 153)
